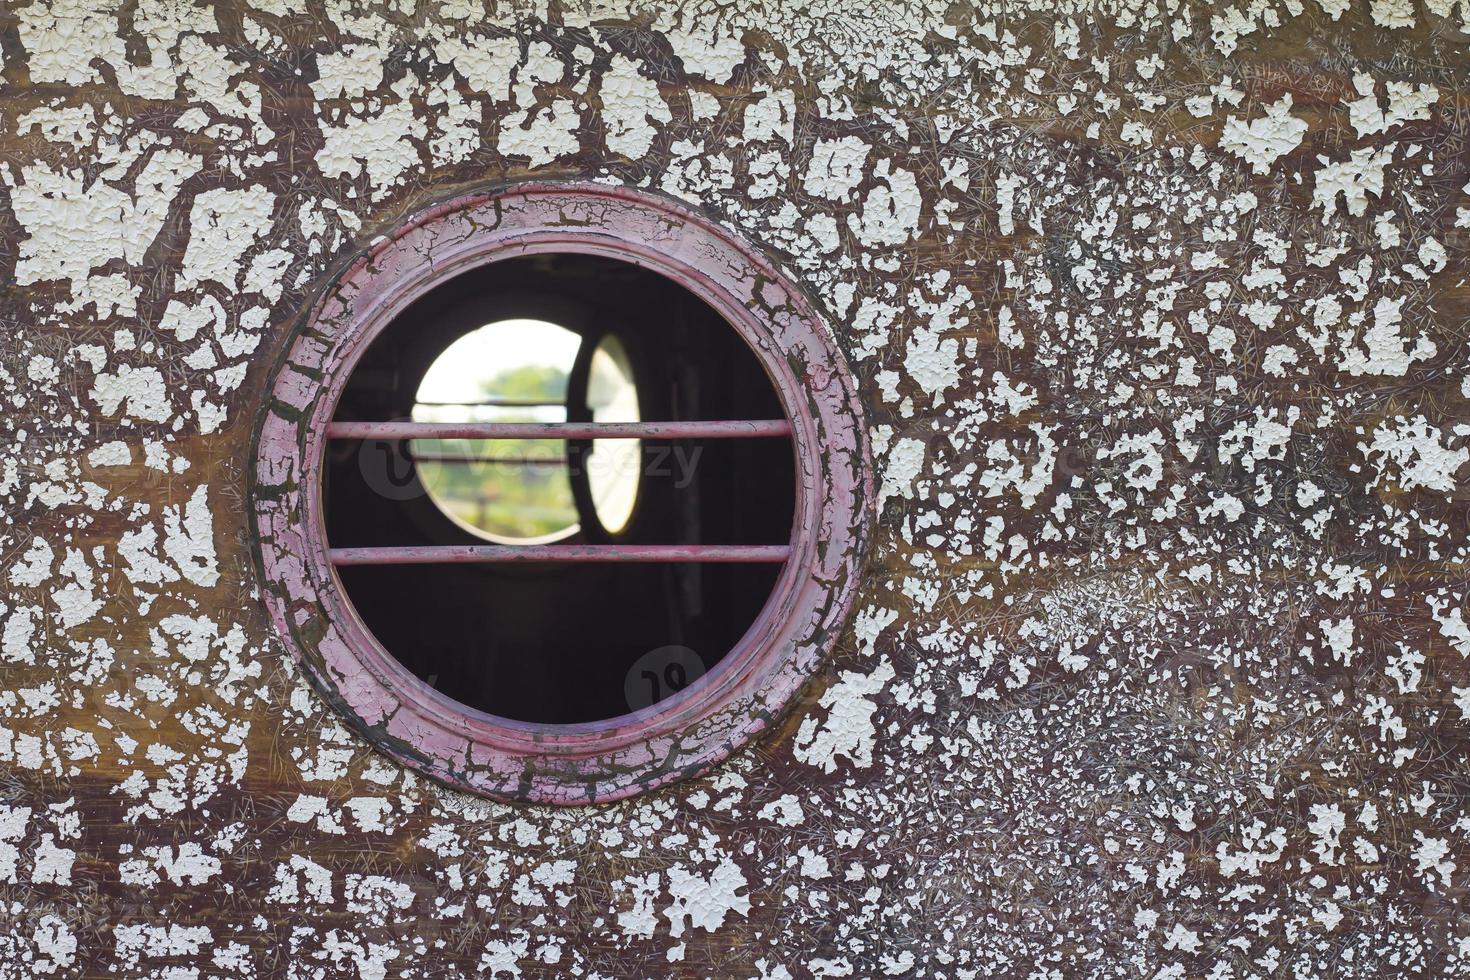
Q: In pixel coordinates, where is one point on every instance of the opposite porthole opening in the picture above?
(509, 491)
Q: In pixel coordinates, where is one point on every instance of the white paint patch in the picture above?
(141, 390)
(905, 462)
(1388, 352)
(1405, 103)
(1393, 14)
(74, 225)
(640, 919)
(384, 146)
(707, 47)
(546, 135)
(115, 453)
(51, 864)
(223, 225)
(704, 902)
(62, 39)
(1266, 139)
(1352, 179)
(933, 361)
(890, 214)
(848, 730)
(836, 168)
(485, 64)
(631, 108)
(349, 73)
(771, 117)
(1409, 452)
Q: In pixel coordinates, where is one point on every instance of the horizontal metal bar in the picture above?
(500, 460)
(497, 403)
(492, 553)
(559, 430)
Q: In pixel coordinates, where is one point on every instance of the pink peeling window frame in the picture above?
(681, 736)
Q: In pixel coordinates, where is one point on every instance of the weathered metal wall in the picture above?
(1159, 312)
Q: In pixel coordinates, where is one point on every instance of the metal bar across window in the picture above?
(434, 457)
(559, 430)
(491, 553)
(497, 403)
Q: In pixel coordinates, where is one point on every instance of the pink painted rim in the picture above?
(681, 736)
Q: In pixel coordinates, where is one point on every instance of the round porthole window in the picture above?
(561, 493)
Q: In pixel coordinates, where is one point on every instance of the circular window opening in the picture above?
(691, 553)
(504, 490)
(572, 636)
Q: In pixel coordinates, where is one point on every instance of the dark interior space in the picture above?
(555, 643)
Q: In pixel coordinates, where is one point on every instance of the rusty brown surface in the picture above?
(1120, 733)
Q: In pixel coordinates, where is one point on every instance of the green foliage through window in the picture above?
(514, 488)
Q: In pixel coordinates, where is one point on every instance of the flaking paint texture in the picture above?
(1159, 314)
